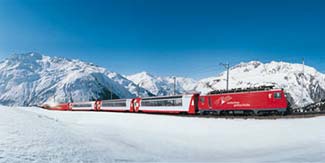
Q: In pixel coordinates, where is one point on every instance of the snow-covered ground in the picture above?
(36, 135)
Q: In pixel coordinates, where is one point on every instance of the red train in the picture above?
(248, 102)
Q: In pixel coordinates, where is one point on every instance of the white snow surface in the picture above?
(162, 86)
(303, 88)
(37, 135)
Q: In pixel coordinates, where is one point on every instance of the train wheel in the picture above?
(249, 113)
(203, 113)
(281, 113)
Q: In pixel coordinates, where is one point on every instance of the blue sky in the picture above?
(166, 37)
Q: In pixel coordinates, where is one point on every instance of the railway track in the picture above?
(294, 115)
(271, 117)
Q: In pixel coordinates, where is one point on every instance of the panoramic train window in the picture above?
(82, 105)
(114, 103)
(162, 102)
(277, 95)
(202, 99)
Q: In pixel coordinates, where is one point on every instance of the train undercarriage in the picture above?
(244, 112)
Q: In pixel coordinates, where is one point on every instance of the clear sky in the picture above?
(166, 37)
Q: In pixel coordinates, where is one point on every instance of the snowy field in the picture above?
(36, 135)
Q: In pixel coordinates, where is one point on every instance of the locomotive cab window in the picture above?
(277, 95)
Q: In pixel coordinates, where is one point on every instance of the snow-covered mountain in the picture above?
(133, 88)
(161, 86)
(32, 78)
(302, 88)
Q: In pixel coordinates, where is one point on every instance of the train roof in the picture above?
(239, 90)
(171, 96)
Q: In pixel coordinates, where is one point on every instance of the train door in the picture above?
(70, 106)
(204, 103)
(277, 96)
(98, 105)
(136, 104)
(209, 102)
(131, 105)
(196, 102)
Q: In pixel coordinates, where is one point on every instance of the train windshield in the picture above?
(163, 101)
(114, 103)
(277, 95)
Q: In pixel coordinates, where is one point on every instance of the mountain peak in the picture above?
(162, 85)
(141, 76)
(144, 74)
(24, 56)
(252, 64)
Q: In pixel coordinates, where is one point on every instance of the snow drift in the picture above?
(35, 135)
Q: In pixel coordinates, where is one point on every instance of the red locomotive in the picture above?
(256, 101)
(247, 102)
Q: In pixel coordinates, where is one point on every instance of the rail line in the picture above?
(293, 115)
(260, 117)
